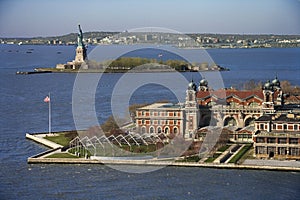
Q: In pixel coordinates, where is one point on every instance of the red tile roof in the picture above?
(221, 94)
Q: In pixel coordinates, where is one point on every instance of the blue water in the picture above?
(23, 110)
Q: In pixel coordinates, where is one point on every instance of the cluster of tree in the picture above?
(128, 63)
(286, 87)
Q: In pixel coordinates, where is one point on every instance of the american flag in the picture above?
(47, 99)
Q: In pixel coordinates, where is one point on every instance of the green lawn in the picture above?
(240, 154)
(62, 138)
(224, 148)
(194, 158)
(211, 159)
(61, 155)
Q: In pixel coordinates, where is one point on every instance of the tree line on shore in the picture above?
(129, 63)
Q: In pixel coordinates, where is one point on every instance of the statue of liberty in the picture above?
(80, 37)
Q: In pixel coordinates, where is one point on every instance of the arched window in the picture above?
(268, 97)
(143, 129)
(253, 104)
(175, 130)
(230, 121)
(167, 130)
(233, 104)
(151, 129)
(159, 129)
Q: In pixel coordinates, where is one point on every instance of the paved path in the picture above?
(283, 163)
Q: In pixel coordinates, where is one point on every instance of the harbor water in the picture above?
(23, 110)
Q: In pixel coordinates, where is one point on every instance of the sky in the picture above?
(30, 18)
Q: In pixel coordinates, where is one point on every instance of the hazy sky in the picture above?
(23, 18)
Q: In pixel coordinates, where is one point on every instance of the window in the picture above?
(253, 104)
(282, 150)
(158, 129)
(271, 140)
(260, 140)
(143, 121)
(295, 127)
(175, 122)
(260, 150)
(212, 103)
(270, 150)
(261, 127)
(233, 104)
(175, 130)
(293, 140)
(143, 129)
(175, 113)
(151, 129)
(284, 126)
(294, 151)
(281, 140)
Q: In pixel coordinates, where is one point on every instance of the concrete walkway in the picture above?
(265, 162)
(39, 138)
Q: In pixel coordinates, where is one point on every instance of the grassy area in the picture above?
(211, 159)
(240, 154)
(194, 158)
(224, 148)
(62, 138)
(61, 155)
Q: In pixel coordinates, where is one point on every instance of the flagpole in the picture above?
(49, 114)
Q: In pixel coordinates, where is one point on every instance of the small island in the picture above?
(130, 143)
(125, 64)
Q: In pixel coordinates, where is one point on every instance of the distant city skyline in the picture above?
(31, 18)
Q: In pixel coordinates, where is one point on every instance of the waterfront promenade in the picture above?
(251, 164)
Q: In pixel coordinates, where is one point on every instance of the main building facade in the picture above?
(239, 111)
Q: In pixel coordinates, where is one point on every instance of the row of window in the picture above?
(279, 141)
(166, 130)
(160, 122)
(160, 113)
(291, 127)
(240, 136)
(237, 111)
(292, 151)
(235, 104)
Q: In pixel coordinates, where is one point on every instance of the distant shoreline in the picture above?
(54, 70)
(202, 40)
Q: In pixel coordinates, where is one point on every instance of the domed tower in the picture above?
(278, 92)
(191, 111)
(203, 85)
(276, 83)
(192, 86)
(268, 91)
